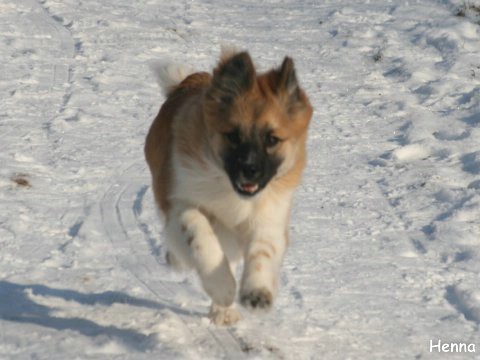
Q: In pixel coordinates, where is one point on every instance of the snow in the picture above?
(385, 232)
(411, 152)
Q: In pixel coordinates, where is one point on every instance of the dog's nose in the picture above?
(250, 171)
(249, 162)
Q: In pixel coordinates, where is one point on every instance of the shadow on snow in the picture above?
(17, 306)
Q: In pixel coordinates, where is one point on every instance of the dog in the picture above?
(226, 152)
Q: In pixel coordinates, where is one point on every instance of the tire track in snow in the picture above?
(61, 71)
(120, 208)
(45, 65)
(60, 88)
(138, 210)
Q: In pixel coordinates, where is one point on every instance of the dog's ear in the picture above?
(286, 77)
(234, 76)
(287, 85)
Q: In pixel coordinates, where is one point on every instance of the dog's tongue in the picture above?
(250, 188)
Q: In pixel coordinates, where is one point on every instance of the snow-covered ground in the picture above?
(385, 234)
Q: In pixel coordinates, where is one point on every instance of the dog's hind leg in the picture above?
(193, 242)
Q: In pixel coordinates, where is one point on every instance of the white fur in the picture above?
(234, 228)
(224, 315)
(191, 239)
(169, 74)
(210, 188)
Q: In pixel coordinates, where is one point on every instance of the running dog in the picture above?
(226, 152)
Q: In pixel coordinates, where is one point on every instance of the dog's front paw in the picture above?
(224, 316)
(261, 298)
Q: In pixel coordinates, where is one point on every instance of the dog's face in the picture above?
(249, 158)
(257, 124)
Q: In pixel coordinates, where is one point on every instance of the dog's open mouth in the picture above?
(246, 188)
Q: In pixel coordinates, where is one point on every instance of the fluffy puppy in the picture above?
(226, 152)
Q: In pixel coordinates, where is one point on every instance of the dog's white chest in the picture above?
(212, 191)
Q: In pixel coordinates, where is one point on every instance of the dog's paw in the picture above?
(261, 298)
(224, 316)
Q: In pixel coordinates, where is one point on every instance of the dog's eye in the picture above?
(233, 137)
(271, 140)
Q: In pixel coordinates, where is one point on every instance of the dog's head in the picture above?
(257, 124)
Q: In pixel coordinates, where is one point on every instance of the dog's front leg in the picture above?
(262, 264)
(192, 239)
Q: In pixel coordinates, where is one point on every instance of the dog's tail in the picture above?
(169, 74)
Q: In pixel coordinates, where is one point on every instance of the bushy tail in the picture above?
(169, 74)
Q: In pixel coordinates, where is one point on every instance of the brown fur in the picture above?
(259, 253)
(158, 146)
